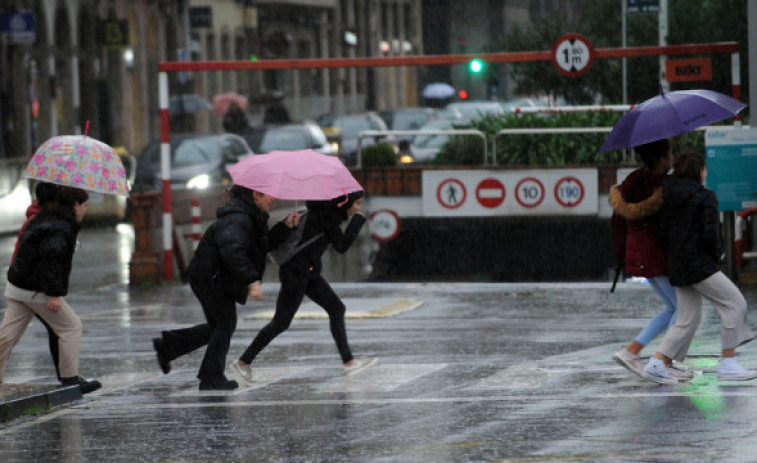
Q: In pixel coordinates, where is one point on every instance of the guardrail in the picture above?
(382, 133)
(553, 130)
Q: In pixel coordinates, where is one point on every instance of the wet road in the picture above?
(466, 372)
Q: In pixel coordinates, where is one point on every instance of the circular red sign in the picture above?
(490, 192)
(572, 55)
(529, 192)
(447, 193)
(569, 192)
(385, 225)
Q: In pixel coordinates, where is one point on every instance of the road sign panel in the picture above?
(529, 192)
(451, 193)
(490, 192)
(569, 192)
(572, 55)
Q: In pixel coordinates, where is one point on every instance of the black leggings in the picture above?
(294, 287)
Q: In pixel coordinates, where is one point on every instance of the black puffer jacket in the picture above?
(232, 252)
(324, 217)
(45, 252)
(689, 227)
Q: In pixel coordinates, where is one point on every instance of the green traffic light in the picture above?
(476, 65)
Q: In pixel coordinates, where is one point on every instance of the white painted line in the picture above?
(381, 378)
(357, 308)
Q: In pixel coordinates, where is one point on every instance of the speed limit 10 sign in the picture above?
(572, 55)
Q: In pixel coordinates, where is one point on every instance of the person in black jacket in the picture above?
(688, 227)
(301, 276)
(38, 280)
(227, 267)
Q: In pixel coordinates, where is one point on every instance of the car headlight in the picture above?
(199, 182)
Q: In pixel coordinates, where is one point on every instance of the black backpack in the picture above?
(292, 246)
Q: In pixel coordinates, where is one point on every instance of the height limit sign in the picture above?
(572, 55)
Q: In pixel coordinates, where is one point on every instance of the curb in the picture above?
(35, 401)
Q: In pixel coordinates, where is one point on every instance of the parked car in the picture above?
(424, 148)
(350, 126)
(477, 109)
(411, 118)
(289, 137)
(197, 161)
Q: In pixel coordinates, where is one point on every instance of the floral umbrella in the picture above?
(79, 161)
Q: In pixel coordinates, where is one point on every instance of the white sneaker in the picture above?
(243, 373)
(656, 371)
(679, 373)
(628, 360)
(730, 369)
(359, 364)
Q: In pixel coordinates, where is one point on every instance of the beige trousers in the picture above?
(65, 323)
(730, 305)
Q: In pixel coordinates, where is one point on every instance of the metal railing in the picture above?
(383, 133)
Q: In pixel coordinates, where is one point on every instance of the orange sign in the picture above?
(681, 70)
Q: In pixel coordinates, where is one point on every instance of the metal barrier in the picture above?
(559, 130)
(382, 133)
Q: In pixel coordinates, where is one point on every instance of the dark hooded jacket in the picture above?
(45, 253)
(636, 204)
(689, 228)
(324, 217)
(232, 252)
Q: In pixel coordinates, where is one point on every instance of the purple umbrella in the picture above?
(670, 114)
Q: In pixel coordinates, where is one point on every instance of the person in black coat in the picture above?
(689, 228)
(227, 268)
(38, 280)
(301, 276)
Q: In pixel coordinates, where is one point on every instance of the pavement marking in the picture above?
(379, 307)
(135, 312)
(524, 375)
(381, 378)
(646, 456)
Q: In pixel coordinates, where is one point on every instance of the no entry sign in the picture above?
(490, 192)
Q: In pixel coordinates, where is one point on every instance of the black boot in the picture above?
(165, 364)
(222, 384)
(86, 385)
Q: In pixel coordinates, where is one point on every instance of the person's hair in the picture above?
(237, 191)
(67, 196)
(689, 165)
(45, 192)
(343, 206)
(652, 152)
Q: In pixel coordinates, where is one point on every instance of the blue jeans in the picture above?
(665, 319)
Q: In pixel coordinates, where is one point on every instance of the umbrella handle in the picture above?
(86, 128)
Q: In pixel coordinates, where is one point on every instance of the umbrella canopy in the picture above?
(295, 175)
(670, 114)
(187, 103)
(222, 101)
(438, 91)
(79, 161)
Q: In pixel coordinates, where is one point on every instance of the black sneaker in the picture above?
(165, 364)
(219, 385)
(86, 385)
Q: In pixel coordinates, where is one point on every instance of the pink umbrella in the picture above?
(295, 175)
(222, 101)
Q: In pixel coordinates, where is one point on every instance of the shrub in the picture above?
(379, 155)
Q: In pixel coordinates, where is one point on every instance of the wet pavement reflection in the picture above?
(472, 372)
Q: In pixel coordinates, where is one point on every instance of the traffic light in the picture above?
(476, 66)
(463, 94)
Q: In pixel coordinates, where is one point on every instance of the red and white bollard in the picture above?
(196, 231)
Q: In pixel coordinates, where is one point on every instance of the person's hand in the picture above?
(255, 292)
(292, 219)
(359, 213)
(54, 303)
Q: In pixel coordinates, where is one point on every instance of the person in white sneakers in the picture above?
(688, 227)
(636, 204)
